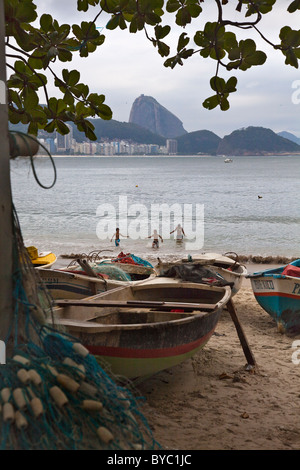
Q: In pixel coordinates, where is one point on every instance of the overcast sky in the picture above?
(127, 65)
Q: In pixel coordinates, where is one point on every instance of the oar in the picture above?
(243, 340)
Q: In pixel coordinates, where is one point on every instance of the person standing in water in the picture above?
(156, 237)
(117, 236)
(180, 233)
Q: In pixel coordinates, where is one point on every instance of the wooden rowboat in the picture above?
(72, 285)
(144, 328)
(231, 270)
(278, 292)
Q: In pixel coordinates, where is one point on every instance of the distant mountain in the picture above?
(109, 130)
(255, 141)
(289, 136)
(198, 142)
(148, 113)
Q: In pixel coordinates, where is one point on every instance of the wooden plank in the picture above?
(133, 303)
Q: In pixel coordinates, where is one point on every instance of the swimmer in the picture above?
(180, 233)
(156, 237)
(117, 237)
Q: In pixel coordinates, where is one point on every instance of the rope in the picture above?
(24, 137)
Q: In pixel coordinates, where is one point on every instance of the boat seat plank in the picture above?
(133, 303)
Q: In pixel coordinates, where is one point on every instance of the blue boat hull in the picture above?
(279, 296)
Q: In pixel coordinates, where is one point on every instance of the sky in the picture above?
(127, 65)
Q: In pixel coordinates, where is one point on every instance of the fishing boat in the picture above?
(74, 285)
(81, 279)
(278, 292)
(44, 259)
(227, 266)
(144, 328)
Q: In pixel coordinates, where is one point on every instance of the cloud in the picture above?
(127, 65)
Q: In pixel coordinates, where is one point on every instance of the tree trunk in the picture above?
(6, 222)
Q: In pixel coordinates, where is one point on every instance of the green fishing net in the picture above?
(53, 393)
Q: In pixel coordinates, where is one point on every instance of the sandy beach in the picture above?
(212, 402)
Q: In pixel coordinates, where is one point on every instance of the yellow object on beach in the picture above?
(41, 259)
(33, 252)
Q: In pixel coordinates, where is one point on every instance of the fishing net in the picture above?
(113, 272)
(106, 270)
(53, 393)
(195, 273)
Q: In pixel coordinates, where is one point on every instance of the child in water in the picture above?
(155, 236)
(180, 233)
(117, 236)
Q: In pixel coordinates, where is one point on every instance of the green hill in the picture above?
(193, 143)
(255, 141)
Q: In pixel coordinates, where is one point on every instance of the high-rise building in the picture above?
(171, 146)
(64, 142)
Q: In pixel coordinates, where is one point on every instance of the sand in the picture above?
(212, 402)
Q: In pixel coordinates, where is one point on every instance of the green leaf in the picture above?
(113, 23)
(183, 17)
(182, 41)
(161, 31)
(231, 85)
(46, 22)
(172, 6)
(62, 127)
(50, 127)
(163, 49)
(224, 104)
(217, 84)
(294, 6)
(194, 10)
(211, 102)
(31, 99)
(33, 128)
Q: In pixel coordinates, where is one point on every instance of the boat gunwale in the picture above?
(108, 327)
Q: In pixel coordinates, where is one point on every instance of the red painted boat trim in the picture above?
(276, 294)
(147, 353)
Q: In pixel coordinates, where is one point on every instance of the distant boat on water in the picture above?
(228, 160)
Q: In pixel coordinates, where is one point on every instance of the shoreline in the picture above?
(250, 259)
(297, 154)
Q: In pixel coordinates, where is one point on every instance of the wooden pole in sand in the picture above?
(6, 221)
(242, 337)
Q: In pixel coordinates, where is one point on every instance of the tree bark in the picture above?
(6, 221)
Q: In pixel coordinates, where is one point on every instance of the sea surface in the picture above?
(217, 204)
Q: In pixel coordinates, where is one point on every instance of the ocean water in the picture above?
(217, 203)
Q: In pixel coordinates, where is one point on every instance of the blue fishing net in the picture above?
(141, 261)
(53, 393)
